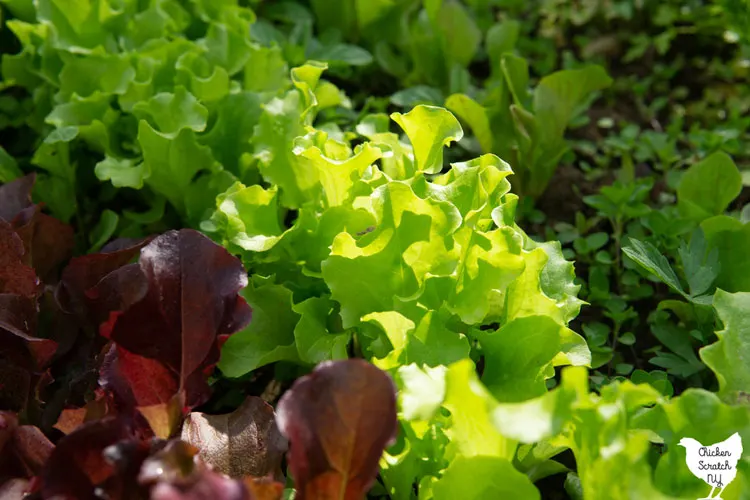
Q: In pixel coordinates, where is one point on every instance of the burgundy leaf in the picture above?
(338, 420)
(78, 465)
(15, 196)
(15, 276)
(88, 290)
(191, 304)
(246, 442)
(23, 449)
(47, 241)
(18, 316)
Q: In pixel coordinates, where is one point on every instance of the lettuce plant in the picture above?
(158, 99)
(528, 128)
(378, 249)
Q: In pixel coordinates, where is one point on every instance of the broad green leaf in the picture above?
(612, 459)
(343, 54)
(280, 123)
(313, 338)
(338, 176)
(474, 115)
(490, 262)
(479, 477)
(122, 172)
(728, 356)
(516, 73)
(172, 161)
(501, 38)
(708, 187)
(195, 73)
(429, 129)
(475, 187)
(266, 70)
(171, 113)
(109, 74)
(231, 134)
(460, 34)
(93, 116)
(8, 167)
(429, 342)
(649, 258)
(519, 357)
(471, 431)
(557, 96)
(701, 267)
(414, 96)
(732, 240)
(408, 242)
(103, 230)
(249, 217)
(201, 194)
(270, 335)
(545, 416)
(423, 391)
(227, 43)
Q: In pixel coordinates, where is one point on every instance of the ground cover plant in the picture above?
(392, 249)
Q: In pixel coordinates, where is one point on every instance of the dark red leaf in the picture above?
(77, 465)
(15, 276)
(32, 448)
(15, 196)
(94, 285)
(246, 442)
(47, 241)
(18, 316)
(338, 420)
(191, 303)
(23, 449)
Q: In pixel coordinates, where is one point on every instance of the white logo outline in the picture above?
(716, 464)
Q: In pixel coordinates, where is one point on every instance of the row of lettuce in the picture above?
(357, 239)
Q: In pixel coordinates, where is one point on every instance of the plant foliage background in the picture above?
(525, 225)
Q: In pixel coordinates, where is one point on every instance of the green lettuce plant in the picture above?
(528, 127)
(160, 99)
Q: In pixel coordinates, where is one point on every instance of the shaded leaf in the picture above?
(190, 307)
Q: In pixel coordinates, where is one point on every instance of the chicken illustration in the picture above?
(715, 464)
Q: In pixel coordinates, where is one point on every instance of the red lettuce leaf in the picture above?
(92, 286)
(78, 464)
(24, 449)
(338, 420)
(15, 276)
(47, 241)
(191, 306)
